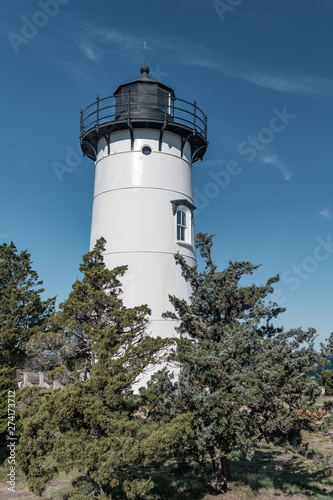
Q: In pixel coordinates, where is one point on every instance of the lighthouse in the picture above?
(144, 141)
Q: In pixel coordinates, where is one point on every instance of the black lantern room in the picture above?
(144, 103)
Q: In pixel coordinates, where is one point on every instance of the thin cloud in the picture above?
(123, 44)
(326, 213)
(293, 84)
(89, 51)
(107, 40)
(276, 162)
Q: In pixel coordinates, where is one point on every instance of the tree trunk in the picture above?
(222, 475)
(226, 469)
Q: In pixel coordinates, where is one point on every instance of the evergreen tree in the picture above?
(22, 315)
(242, 378)
(96, 425)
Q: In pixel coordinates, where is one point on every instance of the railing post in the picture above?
(97, 111)
(113, 105)
(165, 106)
(129, 105)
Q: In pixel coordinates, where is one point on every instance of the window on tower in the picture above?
(181, 225)
(146, 150)
(184, 222)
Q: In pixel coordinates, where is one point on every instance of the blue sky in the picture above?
(262, 72)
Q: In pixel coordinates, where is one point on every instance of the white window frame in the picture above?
(185, 207)
(182, 224)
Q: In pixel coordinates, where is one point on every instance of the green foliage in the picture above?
(83, 488)
(327, 382)
(242, 378)
(165, 441)
(96, 426)
(23, 314)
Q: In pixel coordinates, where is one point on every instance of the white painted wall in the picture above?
(132, 210)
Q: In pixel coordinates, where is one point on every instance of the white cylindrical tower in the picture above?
(143, 141)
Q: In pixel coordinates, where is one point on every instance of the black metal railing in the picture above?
(151, 107)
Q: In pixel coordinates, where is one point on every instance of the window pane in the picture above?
(180, 233)
(181, 225)
(179, 217)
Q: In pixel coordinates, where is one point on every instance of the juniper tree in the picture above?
(242, 378)
(23, 314)
(96, 426)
